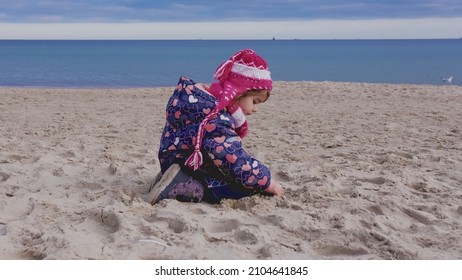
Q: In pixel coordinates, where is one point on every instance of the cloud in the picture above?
(54, 11)
(307, 29)
(238, 19)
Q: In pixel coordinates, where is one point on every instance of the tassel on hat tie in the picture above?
(195, 160)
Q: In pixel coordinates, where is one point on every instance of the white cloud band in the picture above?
(314, 29)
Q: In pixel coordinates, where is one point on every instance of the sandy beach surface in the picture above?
(371, 171)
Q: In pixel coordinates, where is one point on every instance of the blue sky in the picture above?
(231, 19)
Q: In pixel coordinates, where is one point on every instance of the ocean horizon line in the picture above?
(266, 39)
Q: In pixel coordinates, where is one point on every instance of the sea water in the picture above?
(139, 63)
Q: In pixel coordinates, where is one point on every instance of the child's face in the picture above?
(249, 101)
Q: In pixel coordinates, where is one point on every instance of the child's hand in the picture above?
(275, 188)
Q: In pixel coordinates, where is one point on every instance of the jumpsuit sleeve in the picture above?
(223, 145)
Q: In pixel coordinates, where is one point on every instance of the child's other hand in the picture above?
(275, 188)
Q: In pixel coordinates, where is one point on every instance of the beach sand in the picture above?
(371, 171)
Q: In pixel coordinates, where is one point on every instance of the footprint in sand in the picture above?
(24, 159)
(422, 187)
(228, 230)
(4, 177)
(421, 218)
(2, 229)
(339, 250)
(109, 220)
(245, 236)
(225, 226)
(274, 220)
(375, 181)
(376, 209)
(174, 221)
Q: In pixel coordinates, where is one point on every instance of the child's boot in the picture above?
(176, 184)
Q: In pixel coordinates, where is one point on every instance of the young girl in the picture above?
(201, 153)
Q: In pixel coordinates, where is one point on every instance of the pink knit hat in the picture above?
(244, 71)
